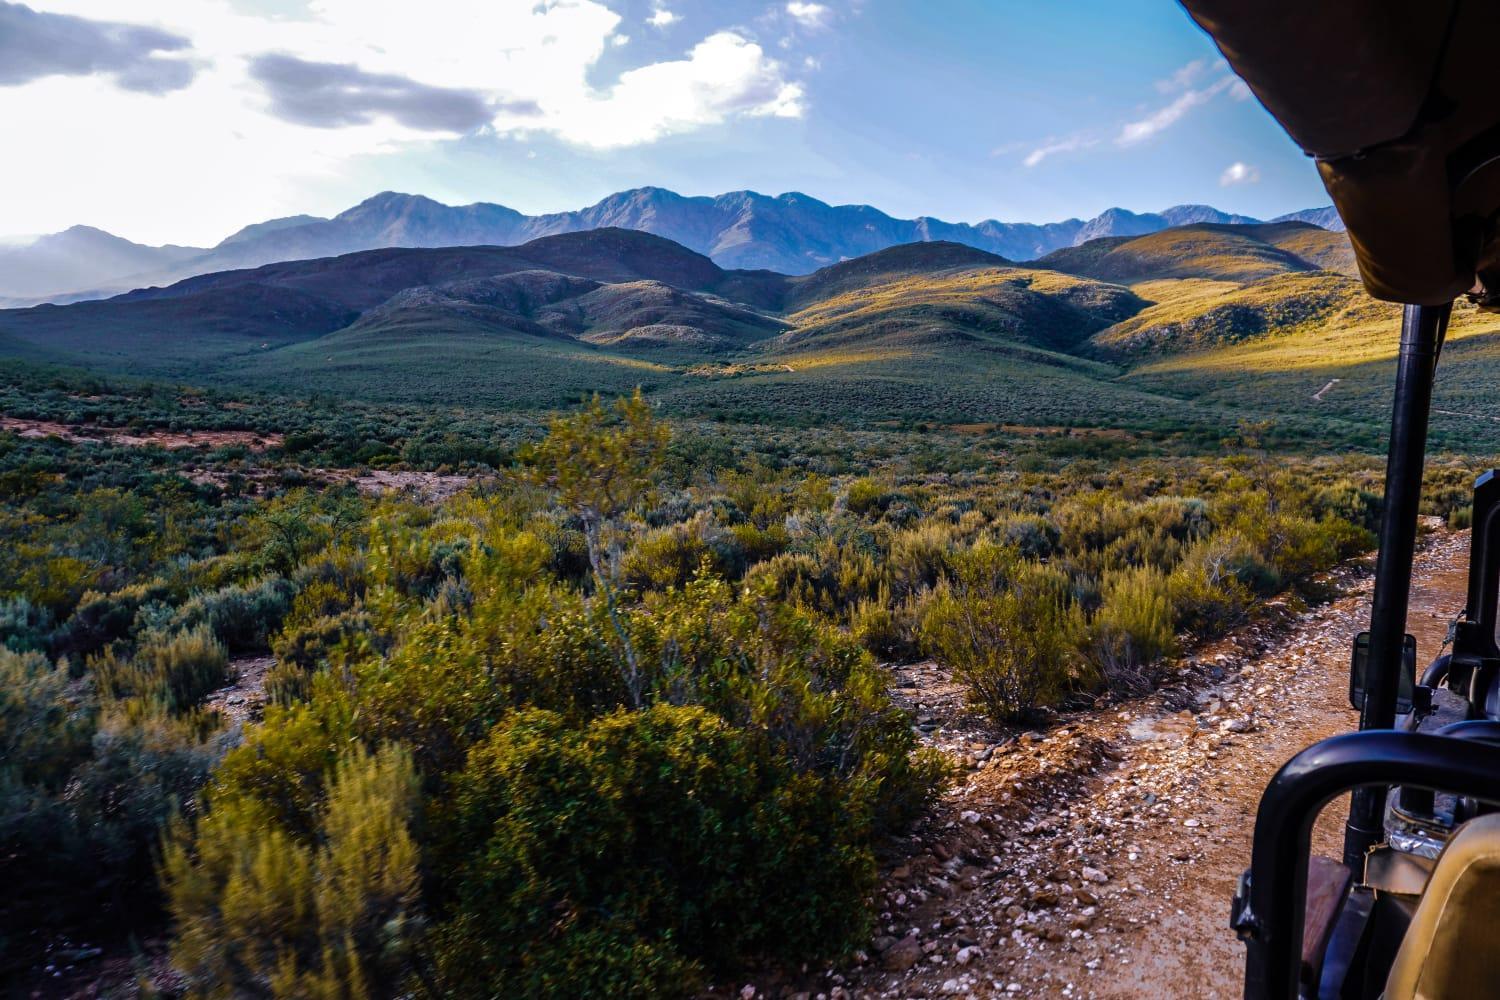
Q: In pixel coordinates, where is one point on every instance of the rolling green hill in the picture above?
(1188, 330)
(1224, 253)
(1191, 315)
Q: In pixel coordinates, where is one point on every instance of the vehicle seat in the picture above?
(1449, 951)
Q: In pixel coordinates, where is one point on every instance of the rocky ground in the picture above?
(1097, 857)
(243, 699)
(253, 440)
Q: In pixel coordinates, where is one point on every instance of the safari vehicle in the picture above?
(1398, 102)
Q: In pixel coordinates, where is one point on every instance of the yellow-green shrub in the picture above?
(1006, 627)
(1133, 629)
(260, 910)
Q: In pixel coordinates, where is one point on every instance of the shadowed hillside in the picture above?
(1165, 332)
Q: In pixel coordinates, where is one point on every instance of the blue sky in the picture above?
(180, 120)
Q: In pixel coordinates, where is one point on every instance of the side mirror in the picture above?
(1360, 665)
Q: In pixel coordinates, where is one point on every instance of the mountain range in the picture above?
(789, 233)
(933, 331)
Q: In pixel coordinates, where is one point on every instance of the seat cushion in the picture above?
(1449, 951)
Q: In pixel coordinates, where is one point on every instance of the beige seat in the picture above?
(1449, 952)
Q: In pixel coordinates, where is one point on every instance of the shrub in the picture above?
(241, 617)
(626, 858)
(1033, 536)
(175, 671)
(100, 619)
(300, 652)
(82, 797)
(920, 557)
(875, 626)
(865, 496)
(262, 911)
(23, 626)
(1206, 591)
(1132, 630)
(1007, 629)
(670, 556)
(44, 729)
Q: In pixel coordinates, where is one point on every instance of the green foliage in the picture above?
(263, 911)
(1133, 628)
(626, 858)
(864, 496)
(175, 671)
(24, 627)
(302, 651)
(715, 603)
(603, 459)
(1007, 628)
(100, 619)
(44, 727)
(83, 791)
(239, 616)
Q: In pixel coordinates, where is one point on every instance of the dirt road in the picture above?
(1098, 859)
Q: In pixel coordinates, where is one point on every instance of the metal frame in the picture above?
(1422, 332)
(1269, 905)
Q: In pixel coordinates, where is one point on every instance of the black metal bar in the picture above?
(1484, 565)
(1271, 923)
(1483, 730)
(1422, 330)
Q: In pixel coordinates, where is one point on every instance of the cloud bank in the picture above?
(34, 45)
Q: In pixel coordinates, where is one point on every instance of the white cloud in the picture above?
(1183, 77)
(1067, 144)
(723, 76)
(1239, 173)
(809, 15)
(198, 161)
(1133, 133)
(661, 17)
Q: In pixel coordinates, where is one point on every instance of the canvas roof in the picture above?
(1399, 104)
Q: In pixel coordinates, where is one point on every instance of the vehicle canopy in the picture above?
(1398, 101)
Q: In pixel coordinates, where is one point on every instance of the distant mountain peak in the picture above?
(1323, 218)
(792, 232)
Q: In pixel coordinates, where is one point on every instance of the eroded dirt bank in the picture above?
(1097, 859)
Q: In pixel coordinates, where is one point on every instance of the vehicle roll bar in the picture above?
(1422, 331)
(1268, 906)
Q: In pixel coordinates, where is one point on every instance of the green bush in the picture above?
(262, 911)
(24, 627)
(670, 556)
(83, 794)
(101, 619)
(242, 618)
(1006, 627)
(1206, 591)
(865, 496)
(302, 651)
(1133, 629)
(629, 857)
(175, 671)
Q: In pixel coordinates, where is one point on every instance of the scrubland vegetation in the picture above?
(613, 720)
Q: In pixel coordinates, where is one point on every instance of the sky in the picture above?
(182, 120)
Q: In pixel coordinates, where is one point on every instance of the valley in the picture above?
(1179, 332)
